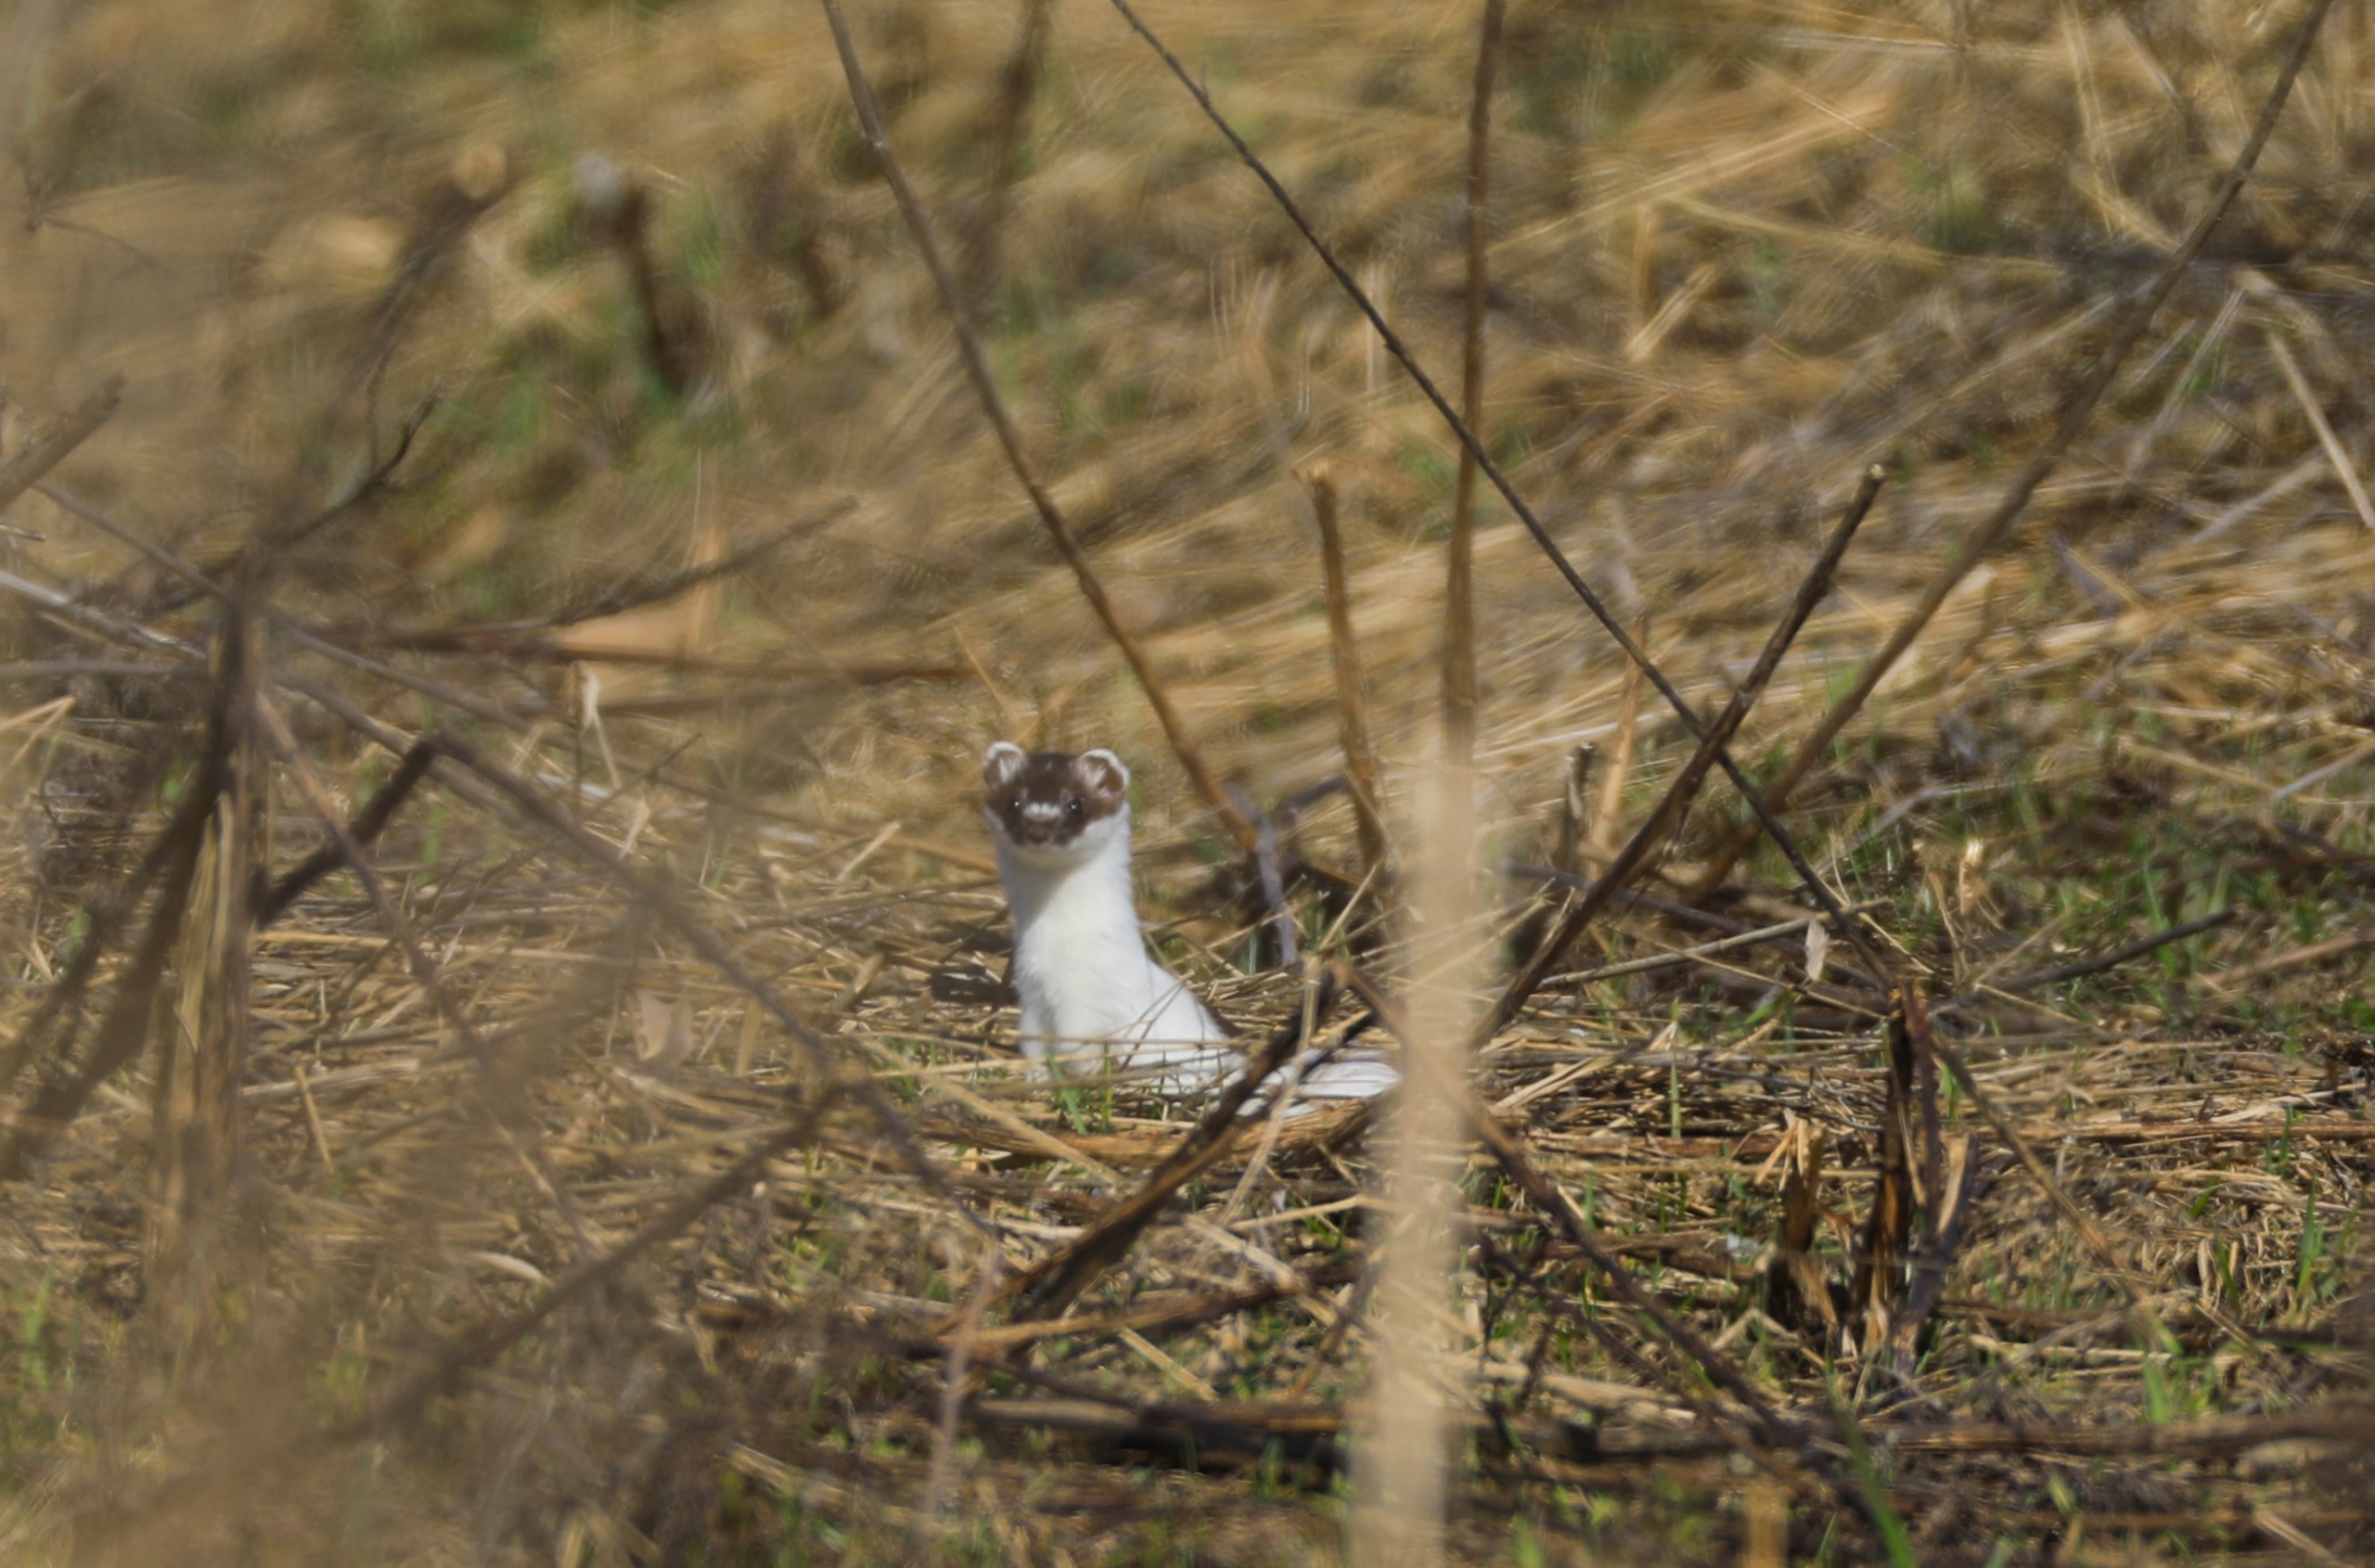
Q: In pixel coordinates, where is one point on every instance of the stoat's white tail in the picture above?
(1350, 1075)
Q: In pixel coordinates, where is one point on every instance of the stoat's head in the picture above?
(1052, 808)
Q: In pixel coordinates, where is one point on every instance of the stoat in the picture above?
(1093, 997)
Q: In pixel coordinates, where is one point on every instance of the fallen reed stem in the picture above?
(2337, 457)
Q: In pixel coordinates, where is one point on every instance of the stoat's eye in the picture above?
(1015, 806)
(1073, 806)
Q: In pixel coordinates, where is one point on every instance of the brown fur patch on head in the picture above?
(1046, 798)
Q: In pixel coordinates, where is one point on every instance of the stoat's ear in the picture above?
(1102, 775)
(1002, 765)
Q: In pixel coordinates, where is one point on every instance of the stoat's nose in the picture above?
(1038, 824)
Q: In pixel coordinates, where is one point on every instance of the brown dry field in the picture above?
(559, 377)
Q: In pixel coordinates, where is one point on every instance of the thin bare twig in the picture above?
(1009, 120)
(1348, 1318)
(277, 539)
(1782, 933)
(956, 1375)
(977, 368)
(1157, 1314)
(396, 743)
(1352, 700)
(112, 627)
(1566, 849)
(2077, 408)
(203, 583)
(379, 476)
(476, 1349)
(1270, 879)
(2078, 970)
(1663, 821)
(363, 831)
(51, 447)
(1691, 721)
(1460, 608)
(2042, 1173)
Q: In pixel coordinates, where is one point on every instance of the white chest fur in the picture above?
(1089, 987)
(1091, 995)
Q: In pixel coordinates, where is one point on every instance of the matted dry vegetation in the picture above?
(575, 368)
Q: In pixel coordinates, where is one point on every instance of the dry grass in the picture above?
(1741, 251)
